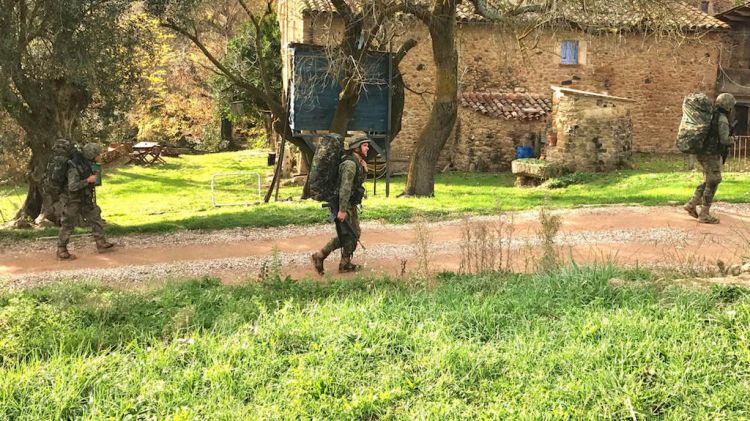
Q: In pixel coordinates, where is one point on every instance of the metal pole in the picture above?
(388, 124)
(375, 177)
(387, 169)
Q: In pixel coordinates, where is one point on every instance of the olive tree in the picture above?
(58, 58)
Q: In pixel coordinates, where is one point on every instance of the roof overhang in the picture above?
(736, 16)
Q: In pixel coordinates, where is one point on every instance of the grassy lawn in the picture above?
(177, 195)
(561, 346)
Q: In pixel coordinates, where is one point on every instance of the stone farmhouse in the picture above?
(505, 90)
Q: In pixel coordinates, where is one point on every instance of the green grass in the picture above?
(561, 346)
(177, 195)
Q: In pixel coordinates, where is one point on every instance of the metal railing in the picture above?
(739, 155)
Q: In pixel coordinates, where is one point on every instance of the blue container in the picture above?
(524, 152)
(96, 168)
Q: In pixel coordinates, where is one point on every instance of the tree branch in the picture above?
(253, 90)
(244, 6)
(491, 12)
(343, 9)
(419, 10)
(22, 25)
(259, 51)
(403, 50)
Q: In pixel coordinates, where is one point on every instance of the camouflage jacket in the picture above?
(720, 137)
(351, 183)
(79, 169)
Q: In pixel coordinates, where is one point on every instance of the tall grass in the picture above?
(560, 345)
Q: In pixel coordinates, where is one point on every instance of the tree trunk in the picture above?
(55, 114)
(345, 108)
(36, 201)
(268, 127)
(276, 174)
(421, 177)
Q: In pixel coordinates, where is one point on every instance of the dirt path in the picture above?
(626, 235)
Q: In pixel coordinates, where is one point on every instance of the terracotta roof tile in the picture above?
(619, 15)
(507, 105)
(590, 15)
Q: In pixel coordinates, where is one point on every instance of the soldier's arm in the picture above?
(74, 180)
(347, 171)
(725, 137)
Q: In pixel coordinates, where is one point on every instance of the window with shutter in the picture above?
(569, 52)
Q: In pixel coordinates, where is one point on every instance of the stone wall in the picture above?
(590, 132)
(655, 72)
(483, 143)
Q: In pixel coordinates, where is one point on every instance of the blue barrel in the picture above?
(524, 152)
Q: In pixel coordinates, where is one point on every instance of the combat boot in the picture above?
(317, 259)
(706, 218)
(63, 254)
(346, 265)
(691, 206)
(103, 245)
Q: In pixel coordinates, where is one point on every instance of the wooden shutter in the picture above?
(569, 52)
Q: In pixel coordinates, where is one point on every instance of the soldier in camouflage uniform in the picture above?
(352, 173)
(78, 202)
(711, 161)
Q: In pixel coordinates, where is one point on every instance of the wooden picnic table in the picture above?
(146, 153)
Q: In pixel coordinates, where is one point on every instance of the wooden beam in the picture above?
(734, 18)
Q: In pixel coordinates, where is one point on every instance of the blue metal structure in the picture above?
(314, 94)
(313, 97)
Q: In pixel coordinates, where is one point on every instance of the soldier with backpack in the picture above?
(710, 158)
(56, 175)
(78, 201)
(349, 192)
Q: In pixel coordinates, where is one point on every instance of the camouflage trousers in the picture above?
(348, 240)
(704, 193)
(75, 208)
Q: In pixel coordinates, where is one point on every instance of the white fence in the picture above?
(738, 159)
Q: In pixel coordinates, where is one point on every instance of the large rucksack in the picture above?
(56, 175)
(695, 126)
(324, 168)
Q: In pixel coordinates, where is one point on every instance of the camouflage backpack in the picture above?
(325, 167)
(695, 126)
(56, 175)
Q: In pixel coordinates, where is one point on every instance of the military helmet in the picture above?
(91, 150)
(726, 101)
(355, 142)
